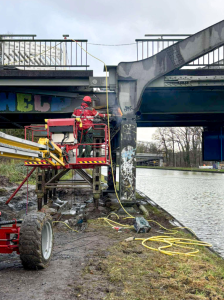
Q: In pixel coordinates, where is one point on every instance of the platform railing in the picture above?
(33, 54)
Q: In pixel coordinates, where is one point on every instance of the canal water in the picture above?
(195, 199)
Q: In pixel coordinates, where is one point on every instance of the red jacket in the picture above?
(87, 115)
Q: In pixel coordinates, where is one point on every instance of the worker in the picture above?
(86, 115)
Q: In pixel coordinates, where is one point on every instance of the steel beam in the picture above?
(44, 82)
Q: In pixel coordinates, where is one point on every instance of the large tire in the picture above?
(36, 241)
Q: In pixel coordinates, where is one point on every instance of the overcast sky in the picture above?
(108, 22)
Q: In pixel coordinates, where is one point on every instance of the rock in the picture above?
(3, 191)
(5, 181)
(108, 203)
(102, 209)
(72, 222)
(68, 214)
(49, 210)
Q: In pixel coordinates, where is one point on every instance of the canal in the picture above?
(195, 199)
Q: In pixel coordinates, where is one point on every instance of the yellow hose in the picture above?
(170, 241)
(65, 224)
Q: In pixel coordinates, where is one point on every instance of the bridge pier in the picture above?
(127, 167)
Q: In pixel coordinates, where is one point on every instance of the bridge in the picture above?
(149, 159)
(182, 84)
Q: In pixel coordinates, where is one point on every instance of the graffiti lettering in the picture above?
(25, 103)
(7, 102)
(128, 108)
(38, 106)
(58, 103)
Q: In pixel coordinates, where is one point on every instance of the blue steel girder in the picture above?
(134, 77)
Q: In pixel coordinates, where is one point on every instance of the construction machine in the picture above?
(56, 152)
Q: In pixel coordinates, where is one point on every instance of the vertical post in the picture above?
(50, 190)
(97, 174)
(54, 172)
(46, 178)
(110, 182)
(127, 167)
(39, 188)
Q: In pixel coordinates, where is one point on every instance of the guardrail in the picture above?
(42, 54)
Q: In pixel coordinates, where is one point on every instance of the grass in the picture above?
(138, 273)
(15, 171)
(183, 169)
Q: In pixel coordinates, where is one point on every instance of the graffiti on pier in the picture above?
(127, 171)
(26, 103)
(129, 132)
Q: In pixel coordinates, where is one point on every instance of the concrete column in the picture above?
(127, 168)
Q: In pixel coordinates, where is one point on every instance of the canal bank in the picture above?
(193, 198)
(183, 169)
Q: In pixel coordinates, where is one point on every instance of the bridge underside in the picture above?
(30, 97)
(200, 105)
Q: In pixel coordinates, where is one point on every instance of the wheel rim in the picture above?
(47, 240)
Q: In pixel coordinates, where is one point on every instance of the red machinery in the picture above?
(57, 148)
(64, 133)
(9, 236)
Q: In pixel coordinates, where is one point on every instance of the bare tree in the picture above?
(185, 141)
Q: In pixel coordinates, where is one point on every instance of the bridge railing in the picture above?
(156, 43)
(37, 54)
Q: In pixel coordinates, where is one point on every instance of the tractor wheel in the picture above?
(36, 241)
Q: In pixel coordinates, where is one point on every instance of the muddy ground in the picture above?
(73, 253)
(98, 264)
(63, 279)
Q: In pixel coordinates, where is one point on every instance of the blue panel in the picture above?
(213, 145)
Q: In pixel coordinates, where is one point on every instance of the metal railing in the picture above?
(158, 42)
(36, 54)
(211, 60)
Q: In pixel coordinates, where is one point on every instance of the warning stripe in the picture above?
(91, 162)
(35, 163)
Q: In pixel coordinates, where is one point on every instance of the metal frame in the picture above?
(43, 53)
(7, 243)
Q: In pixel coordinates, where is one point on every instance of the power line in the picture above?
(116, 45)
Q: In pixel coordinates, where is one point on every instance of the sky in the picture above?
(108, 22)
